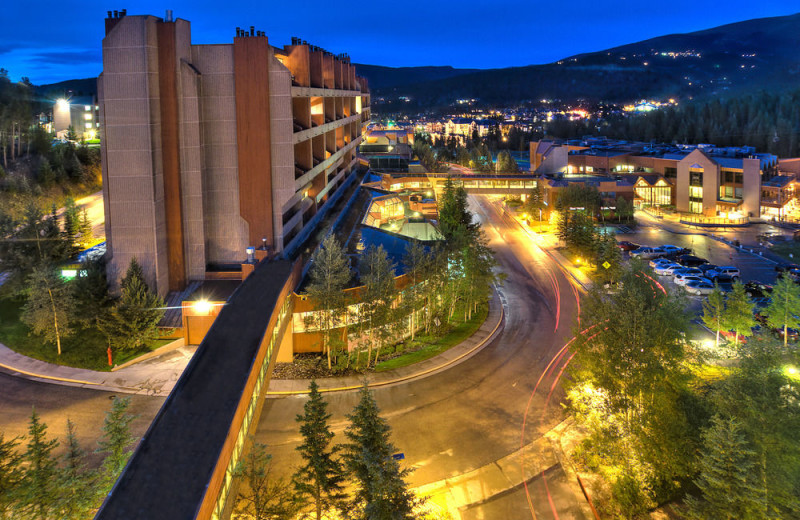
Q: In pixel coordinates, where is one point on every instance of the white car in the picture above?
(667, 268)
(655, 262)
(647, 253)
(699, 288)
(683, 279)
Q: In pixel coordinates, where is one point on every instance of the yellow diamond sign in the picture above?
(606, 264)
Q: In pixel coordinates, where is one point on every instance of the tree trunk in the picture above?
(55, 320)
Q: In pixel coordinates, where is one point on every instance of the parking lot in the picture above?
(751, 266)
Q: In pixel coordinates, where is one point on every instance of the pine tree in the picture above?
(133, 322)
(261, 495)
(49, 310)
(37, 488)
(729, 476)
(381, 490)
(329, 276)
(739, 312)
(321, 477)
(714, 312)
(784, 308)
(75, 482)
(10, 460)
(91, 292)
(115, 443)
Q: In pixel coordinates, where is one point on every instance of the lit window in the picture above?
(87, 117)
(87, 108)
(88, 125)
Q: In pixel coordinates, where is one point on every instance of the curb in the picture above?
(461, 357)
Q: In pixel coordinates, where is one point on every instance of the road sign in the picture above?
(399, 456)
(606, 264)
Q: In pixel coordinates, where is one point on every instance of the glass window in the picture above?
(739, 178)
(738, 193)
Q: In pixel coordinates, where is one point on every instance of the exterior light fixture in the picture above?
(202, 307)
(62, 104)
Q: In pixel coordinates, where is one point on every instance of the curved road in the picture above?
(471, 414)
(447, 424)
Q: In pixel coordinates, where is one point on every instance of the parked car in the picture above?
(655, 262)
(791, 334)
(646, 253)
(687, 270)
(727, 273)
(667, 269)
(707, 267)
(683, 279)
(675, 250)
(628, 246)
(690, 260)
(755, 289)
(699, 288)
(784, 267)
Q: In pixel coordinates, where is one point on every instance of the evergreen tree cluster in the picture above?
(37, 483)
(446, 282)
(359, 480)
(769, 121)
(21, 137)
(657, 432)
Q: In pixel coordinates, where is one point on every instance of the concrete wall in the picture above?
(751, 189)
(280, 99)
(132, 177)
(225, 230)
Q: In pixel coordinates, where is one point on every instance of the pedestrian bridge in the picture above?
(183, 467)
(478, 184)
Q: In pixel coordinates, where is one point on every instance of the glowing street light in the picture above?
(62, 104)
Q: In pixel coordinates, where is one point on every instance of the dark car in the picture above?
(782, 268)
(791, 334)
(691, 260)
(757, 289)
(627, 246)
(707, 267)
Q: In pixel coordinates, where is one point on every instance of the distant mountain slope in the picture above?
(388, 77)
(755, 54)
(78, 87)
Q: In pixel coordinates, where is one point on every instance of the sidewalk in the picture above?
(156, 376)
(461, 352)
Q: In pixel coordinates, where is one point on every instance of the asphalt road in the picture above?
(471, 414)
(55, 404)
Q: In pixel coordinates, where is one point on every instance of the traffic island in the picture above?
(462, 351)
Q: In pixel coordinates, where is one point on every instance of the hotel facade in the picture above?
(702, 180)
(210, 149)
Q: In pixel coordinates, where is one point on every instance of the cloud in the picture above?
(51, 64)
(66, 56)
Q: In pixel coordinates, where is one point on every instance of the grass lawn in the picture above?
(784, 249)
(425, 347)
(86, 348)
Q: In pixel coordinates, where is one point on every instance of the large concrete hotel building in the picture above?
(210, 149)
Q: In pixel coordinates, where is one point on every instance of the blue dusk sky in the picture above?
(50, 42)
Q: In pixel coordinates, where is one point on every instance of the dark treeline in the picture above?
(768, 121)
